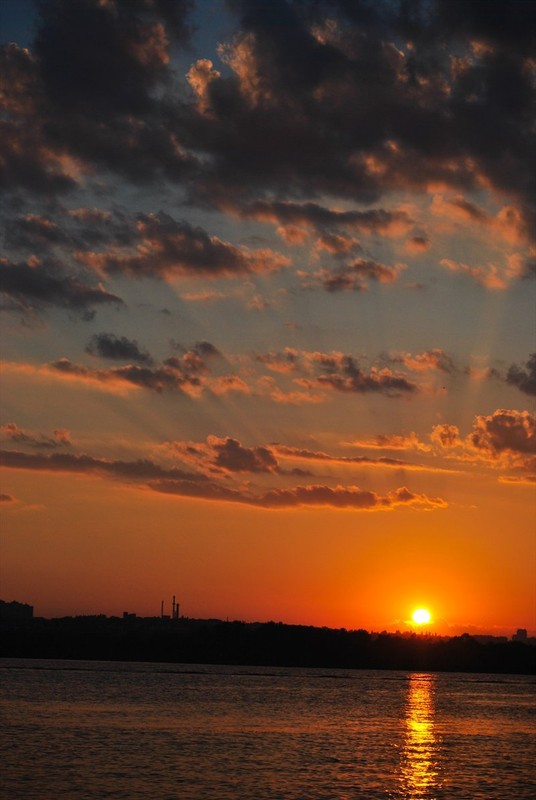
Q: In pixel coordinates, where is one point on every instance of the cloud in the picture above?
(417, 244)
(347, 497)
(446, 436)
(337, 244)
(189, 373)
(231, 455)
(120, 59)
(181, 374)
(113, 67)
(289, 360)
(526, 480)
(509, 224)
(6, 498)
(354, 276)
(490, 276)
(167, 248)
(118, 348)
(33, 285)
(266, 386)
(505, 431)
(140, 470)
(319, 218)
(94, 100)
(225, 456)
(342, 373)
(61, 437)
(301, 453)
(203, 349)
(436, 359)
(291, 114)
(27, 160)
(35, 231)
(392, 441)
(206, 297)
(506, 438)
(524, 379)
(224, 384)
(449, 106)
(338, 371)
(314, 496)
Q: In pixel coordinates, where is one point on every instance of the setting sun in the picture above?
(421, 616)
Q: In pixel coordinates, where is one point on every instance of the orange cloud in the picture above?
(298, 453)
(436, 359)
(410, 441)
(491, 276)
(508, 224)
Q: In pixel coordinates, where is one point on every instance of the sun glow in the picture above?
(421, 616)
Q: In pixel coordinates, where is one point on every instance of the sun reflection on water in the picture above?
(419, 768)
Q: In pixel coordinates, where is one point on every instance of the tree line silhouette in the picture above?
(259, 644)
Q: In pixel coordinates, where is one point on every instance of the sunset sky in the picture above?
(268, 310)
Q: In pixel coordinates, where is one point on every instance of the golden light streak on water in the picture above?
(419, 770)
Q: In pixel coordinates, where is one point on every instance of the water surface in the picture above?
(82, 730)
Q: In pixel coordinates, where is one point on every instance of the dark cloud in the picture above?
(292, 115)
(206, 349)
(98, 58)
(226, 455)
(529, 267)
(35, 284)
(289, 360)
(524, 378)
(321, 218)
(347, 497)
(339, 371)
(178, 482)
(70, 229)
(468, 209)
(354, 276)
(337, 244)
(188, 373)
(171, 247)
(315, 455)
(141, 470)
(12, 432)
(90, 94)
(139, 245)
(35, 231)
(343, 373)
(6, 498)
(174, 374)
(304, 496)
(232, 456)
(90, 227)
(450, 105)
(26, 161)
(418, 244)
(506, 438)
(118, 348)
(505, 431)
